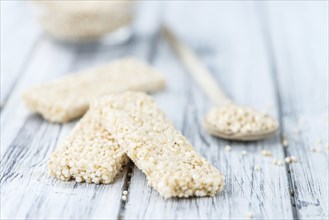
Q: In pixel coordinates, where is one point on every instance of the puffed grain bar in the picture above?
(68, 98)
(170, 162)
(88, 154)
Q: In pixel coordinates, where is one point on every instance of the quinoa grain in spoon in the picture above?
(227, 120)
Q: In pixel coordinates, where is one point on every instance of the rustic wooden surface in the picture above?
(271, 55)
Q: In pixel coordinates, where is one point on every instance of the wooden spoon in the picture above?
(227, 120)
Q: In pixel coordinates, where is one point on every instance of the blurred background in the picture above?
(238, 36)
(271, 55)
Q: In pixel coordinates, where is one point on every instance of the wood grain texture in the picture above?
(19, 36)
(27, 140)
(25, 156)
(265, 193)
(41, 68)
(297, 42)
(269, 55)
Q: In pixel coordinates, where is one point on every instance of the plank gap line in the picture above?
(268, 43)
(154, 43)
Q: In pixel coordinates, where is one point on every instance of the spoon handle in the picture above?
(201, 75)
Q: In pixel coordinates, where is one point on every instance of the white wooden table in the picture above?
(272, 55)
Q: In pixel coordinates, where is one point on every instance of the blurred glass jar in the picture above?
(81, 21)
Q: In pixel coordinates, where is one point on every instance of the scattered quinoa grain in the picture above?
(124, 198)
(280, 163)
(256, 168)
(275, 162)
(125, 192)
(287, 160)
(293, 159)
(244, 153)
(228, 148)
(284, 141)
(250, 215)
(266, 153)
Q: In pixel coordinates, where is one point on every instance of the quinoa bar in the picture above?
(68, 98)
(170, 162)
(88, 154)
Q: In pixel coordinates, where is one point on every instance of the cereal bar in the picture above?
(68, 98)
(88, 154)
(170, 162)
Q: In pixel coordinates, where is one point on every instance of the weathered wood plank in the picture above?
(231, 43)
(246, 77)
(48, 61)
(27, 141)
(298, 41)
(19, 36)
(28, 192)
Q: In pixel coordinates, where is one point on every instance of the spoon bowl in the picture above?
(228, 120)
(239, 123)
